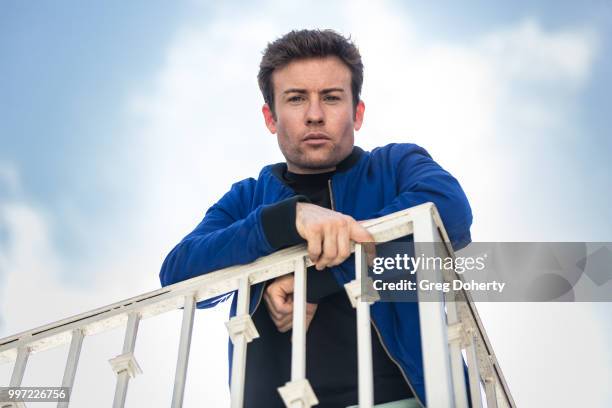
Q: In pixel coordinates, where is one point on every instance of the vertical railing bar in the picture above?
(182, 362)
(298, 335)
(434, 336)
(491, 392)
(298, 393)
(71, 363)
(364, 339)
(121, 389)
(20, 365)
(473, 373)
(123, 376)
(240, 347)
(131, 332)
(456, 358)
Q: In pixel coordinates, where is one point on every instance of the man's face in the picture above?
(315, 121)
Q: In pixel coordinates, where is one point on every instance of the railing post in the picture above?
(180, 376)
(72, 363)
(473, 370)
(298, 393)
(491, 392)
(434, 338)
(242, 331)
(18, 371)
(125, 365)
(20, 365)
(362, 294)
(298, 331)
(455, 341)
(364, 336)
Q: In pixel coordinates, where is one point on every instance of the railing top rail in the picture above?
(171, 297)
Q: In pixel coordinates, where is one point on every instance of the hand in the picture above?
(279, 298)
(328, 234)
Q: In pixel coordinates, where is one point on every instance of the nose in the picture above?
(314, 115)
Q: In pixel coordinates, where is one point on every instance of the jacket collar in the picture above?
(347, 163)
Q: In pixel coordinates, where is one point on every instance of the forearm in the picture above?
(207, 249)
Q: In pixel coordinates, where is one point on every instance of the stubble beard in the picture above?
(314, 162)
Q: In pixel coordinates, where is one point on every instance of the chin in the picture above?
(318, 162)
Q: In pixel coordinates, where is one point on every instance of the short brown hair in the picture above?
(303, 44)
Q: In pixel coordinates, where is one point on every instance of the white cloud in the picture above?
(528, 52)
(30, 264)
(199, 129)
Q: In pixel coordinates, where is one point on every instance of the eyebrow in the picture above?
(303, 91)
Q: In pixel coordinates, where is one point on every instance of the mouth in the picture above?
(316, 138)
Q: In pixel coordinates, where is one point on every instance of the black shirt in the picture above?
(331, 339)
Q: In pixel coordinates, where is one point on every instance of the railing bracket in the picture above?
(241, 326)
(299, 390)
(355, 294)
(125, 362)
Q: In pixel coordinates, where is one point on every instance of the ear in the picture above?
(269, 118)
(359, 115)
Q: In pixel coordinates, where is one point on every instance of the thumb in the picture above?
(286, 283)
(281, 300)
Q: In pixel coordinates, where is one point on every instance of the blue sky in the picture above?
(115, 116)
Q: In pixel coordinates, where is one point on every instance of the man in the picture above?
(311, 83)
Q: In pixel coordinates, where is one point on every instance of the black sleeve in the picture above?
(278, 222)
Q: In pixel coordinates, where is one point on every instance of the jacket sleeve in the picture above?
(230, 234)
(420, 179)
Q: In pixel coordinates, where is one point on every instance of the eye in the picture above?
(295, 98)
(331, 98)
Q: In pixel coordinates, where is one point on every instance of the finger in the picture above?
(285, 283)
(270, 303)
(283, 321)
(277, 317)
(344, 246)
(330, 248)
(279, 299)
(285, 324)
(314, 247)
(274, 314)
(358, 233)
(277, 306)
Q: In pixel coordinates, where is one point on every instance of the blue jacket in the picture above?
(386, 180)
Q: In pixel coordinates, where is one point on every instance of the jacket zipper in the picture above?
(258, 300)
(333, 207)
(331, 195)
(396, 363)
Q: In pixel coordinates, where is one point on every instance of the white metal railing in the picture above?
(449, 324)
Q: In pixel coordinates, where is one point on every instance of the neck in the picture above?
(298, 170)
